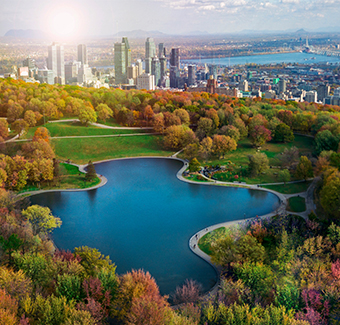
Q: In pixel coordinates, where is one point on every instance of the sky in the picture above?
(75, 18)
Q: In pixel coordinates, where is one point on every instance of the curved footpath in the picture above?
(193, 241)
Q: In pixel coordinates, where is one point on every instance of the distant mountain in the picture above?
(141, 34)
(27, 33)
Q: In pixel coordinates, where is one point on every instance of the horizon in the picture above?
(76, 19)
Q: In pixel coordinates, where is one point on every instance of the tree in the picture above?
(325, 140)
(194, 165)
(178, 137)
(104, 112)
(231, 131)
(3, 128)
(41, 133)
(30, 118)
(330, 195)
(206, 148)
(188, 292)
(20, 126)
(289, 156)
(284, 176)
(12, 244)
(183, 115)
(223, 144)
(41, 219)
(90, 172)
(36, 150)
(87, 115)
(258, 163)
(283, 133)
(204, 128)
(158, 123)
(259, 135)
(304, 168)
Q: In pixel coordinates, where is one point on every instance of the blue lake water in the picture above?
(296, 57)
(144, 217)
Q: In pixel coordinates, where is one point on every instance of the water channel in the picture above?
(144, 216)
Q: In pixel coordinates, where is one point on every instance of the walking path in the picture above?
(92, 136)
(105, 126)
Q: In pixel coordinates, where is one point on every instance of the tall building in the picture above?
(213, 71)
(191, 75)
(71, 71)
(150, 52)
(323, 92)
(82, 54)
(55, 62)
(156, 70)
(161, 50)
(282, 86)
(174, 58)
(139, 64)
(28, 62)
(311, 96)
(174, 67)
(162, 61)
(122, 60)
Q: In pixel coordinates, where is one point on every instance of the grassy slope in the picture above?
(77, 129)
(204, 243)
(95, 149)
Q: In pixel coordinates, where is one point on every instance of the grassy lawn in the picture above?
(296, 204)
(70, 178)
(95, 149)
(194, 178)
(77, 129)
(290, 188)
(204, 243)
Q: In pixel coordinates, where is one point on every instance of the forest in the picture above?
(284, 270)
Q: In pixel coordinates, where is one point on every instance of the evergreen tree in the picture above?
(91, 172)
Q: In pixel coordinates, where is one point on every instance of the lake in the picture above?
(296, 57)
(144, 217)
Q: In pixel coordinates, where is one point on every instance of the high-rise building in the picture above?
(156, 70)
(311, 96)
(150, 52)
(323, 92)
(174, 58)
(132, 73)
(213, 71)
(161, 50)
(82, 54)
(28, 62)
(162, 61)
(122, 60)
(191, 75)
(71, 71)
(282, 86)
(139, 64)
(55, 62)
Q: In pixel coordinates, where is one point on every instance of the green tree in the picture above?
(10, 245)
(87, 115)
(325, 140)
(257, 163)
(41, 219)
(194, 165)
(304, 168)
(284, 176)
(104, 112)
(283, 133)
(70, 287)
(90, 172)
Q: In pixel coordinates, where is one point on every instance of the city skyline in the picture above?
(75, 18)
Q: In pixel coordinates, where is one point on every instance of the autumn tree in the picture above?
(259, 135)
(19, 126)
(178, 136)
(204, 128)
(30, 118)
(284, 176)
(104, 112)
(194, 165)
(41, 219)
(223, 144)
(304, 168)
(3, 128)
(158, 123)
(41, 133)
(289, 156)
(188, 292)
(183, 115)
(39, 149)
(206, 148)
(231, 131)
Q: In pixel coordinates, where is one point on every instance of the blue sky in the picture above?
(104, 17)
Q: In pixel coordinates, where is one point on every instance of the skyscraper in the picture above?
(174, 58)
(191, 75)
(150, 52)
(156, 70)
(282, 86)
(82, 54)
(161, 50)
(55, 62)
(122, 60)
(174, 67)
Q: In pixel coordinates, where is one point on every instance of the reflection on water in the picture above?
(144, 216)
